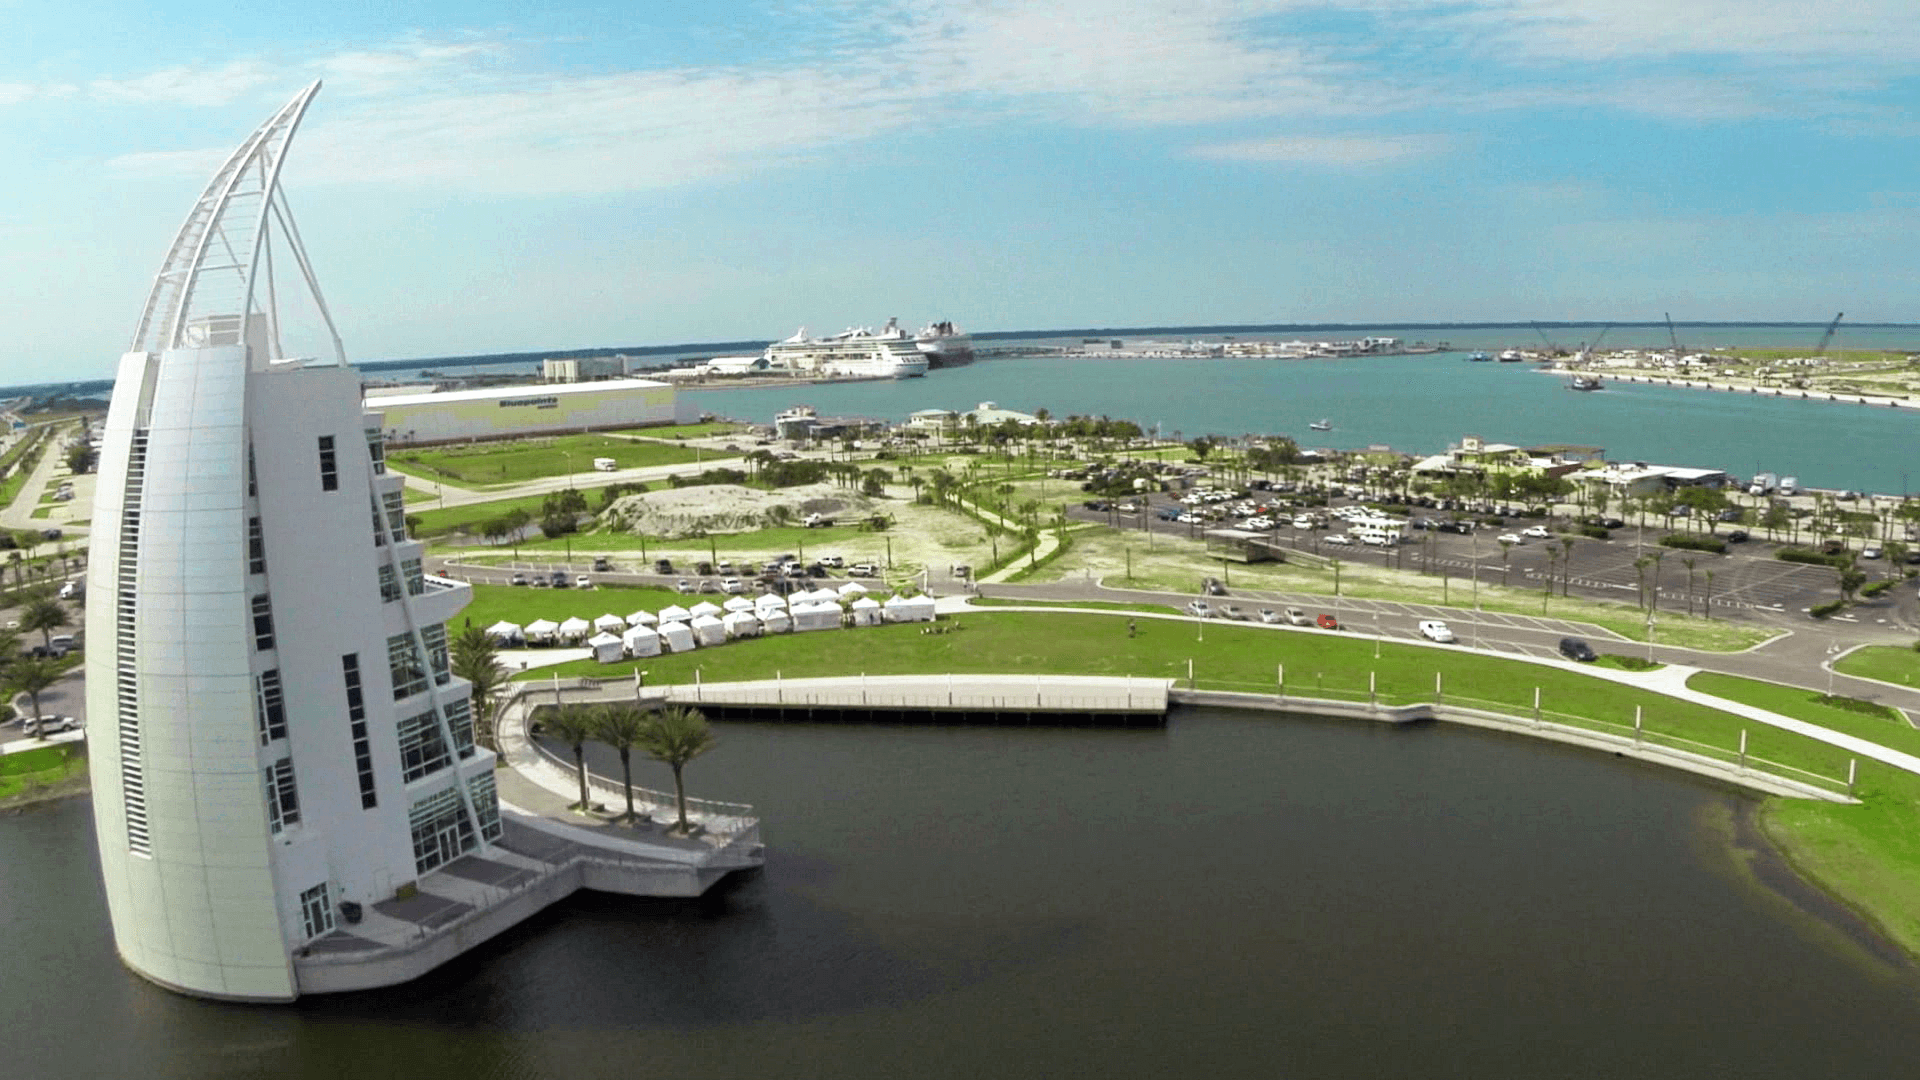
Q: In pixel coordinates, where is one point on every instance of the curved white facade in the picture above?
(272, 727)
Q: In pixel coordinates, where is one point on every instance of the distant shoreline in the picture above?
(1876, 400)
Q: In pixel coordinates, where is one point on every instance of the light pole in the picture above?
(1649, 637)
(1833, 647)
(568, 455)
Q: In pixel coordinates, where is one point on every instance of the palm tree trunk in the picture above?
(680, 797)
(626, 776)
(580, 762)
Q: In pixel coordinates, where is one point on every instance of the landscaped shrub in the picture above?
(1694, 543)
(1821, 611)
(1810, 557)
(1595, 531)
(1876, 588)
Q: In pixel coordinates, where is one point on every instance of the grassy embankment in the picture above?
(29, 772)
(487, 465)
(1867, 856)
(19, 463)
(684, 431)
(1888, 663)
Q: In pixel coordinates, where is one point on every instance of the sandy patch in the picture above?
(729, 508)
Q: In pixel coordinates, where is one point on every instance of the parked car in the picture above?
(48, 725)
(1510, 538)
(1232, 611)
(708, 585)
(724, 567)
(69, 590)
(1296, 617)
(663, 566)
(683, 585)
(1737, 536)
(1327, 622)
(1436, 630)
(1340, 541)
(1268, 615)
(1212, 587)
(560, 580)
(703, 568)
(732, 585)
(602, 564)
(1537, 532)
(1871, 551)
(517, 579)
(1461, 527)
(1200, 609)
(862, 570)
(583, 581)
(1575, 649)
(833, 561)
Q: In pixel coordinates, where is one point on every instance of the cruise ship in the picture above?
(859, 353)
(944, 345)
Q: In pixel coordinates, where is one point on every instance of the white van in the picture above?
(1789, 485)
(605, 464)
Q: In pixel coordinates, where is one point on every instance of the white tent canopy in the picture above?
(741, 624)
(574, 629)
(674, 613)
(610, 624)
(734, 603)
(641, 641)
(704, 607)
(504, 632)
(676, 637)
(708, 630)
(541, 630)
(775, 621)
(642, 618)
(866, 611)
(816, 616)
(606, 648)
(853, 588)
(769, 602)
(910, 609)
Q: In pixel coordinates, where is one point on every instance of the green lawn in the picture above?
(1882, 724)
(684, 431)
(1888, 663)
(494, 464)
(45, 765)
(1231, 656)
(1097, 605)
(468, 518)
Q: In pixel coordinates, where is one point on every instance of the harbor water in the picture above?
(1413, 404)
(1233, 896)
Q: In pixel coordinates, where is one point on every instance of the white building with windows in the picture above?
(278, 746)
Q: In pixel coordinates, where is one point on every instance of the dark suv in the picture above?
(1575, 649)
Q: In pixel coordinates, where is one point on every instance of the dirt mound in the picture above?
(730, 508)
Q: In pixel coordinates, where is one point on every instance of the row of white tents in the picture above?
(679, 629)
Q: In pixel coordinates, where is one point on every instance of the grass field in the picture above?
(1232, 656)
(46, 765)
(468, 518)
(1879, 723)
(1888, 663)
(684, 431)
(1097, 605)
(494, 464)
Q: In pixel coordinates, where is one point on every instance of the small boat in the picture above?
(1584, 382)
(1479, 357)
(1321, 425)
(1512, 356)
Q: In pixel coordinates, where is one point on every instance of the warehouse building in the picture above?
(496, 412)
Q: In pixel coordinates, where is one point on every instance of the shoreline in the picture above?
(1722, 386)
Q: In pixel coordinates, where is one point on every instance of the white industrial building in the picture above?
(504, 411)
(278, 746)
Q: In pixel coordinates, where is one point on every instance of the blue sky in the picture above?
(494, 177)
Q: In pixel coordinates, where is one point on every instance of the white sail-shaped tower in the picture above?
(274, 730)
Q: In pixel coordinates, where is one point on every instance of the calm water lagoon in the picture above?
(1235, 896)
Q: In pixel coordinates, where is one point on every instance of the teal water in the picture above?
(1414, 404)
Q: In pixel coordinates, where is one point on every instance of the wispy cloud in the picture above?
(1337, 150)
(188, 85)
(479, 114)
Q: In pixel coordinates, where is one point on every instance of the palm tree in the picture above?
(1506, 568)
(622, 726)
(30, 675)
(476, 658)
(45, 614)
(575, 725)
(677, 735)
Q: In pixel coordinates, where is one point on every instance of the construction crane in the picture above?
(1552, 347)
(1586, 350)
(1671, 336)
(1827, 338)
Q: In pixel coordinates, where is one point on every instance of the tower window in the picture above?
(329, 467)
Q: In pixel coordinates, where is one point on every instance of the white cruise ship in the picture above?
(855, 353)
(944, 344)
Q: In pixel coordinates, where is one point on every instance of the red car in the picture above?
(1328, 622)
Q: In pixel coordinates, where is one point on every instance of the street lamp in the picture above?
(1649, 637)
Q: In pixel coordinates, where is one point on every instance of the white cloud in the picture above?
(467, 113)
(1327, 149)
(187, 85)
(13, 93)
